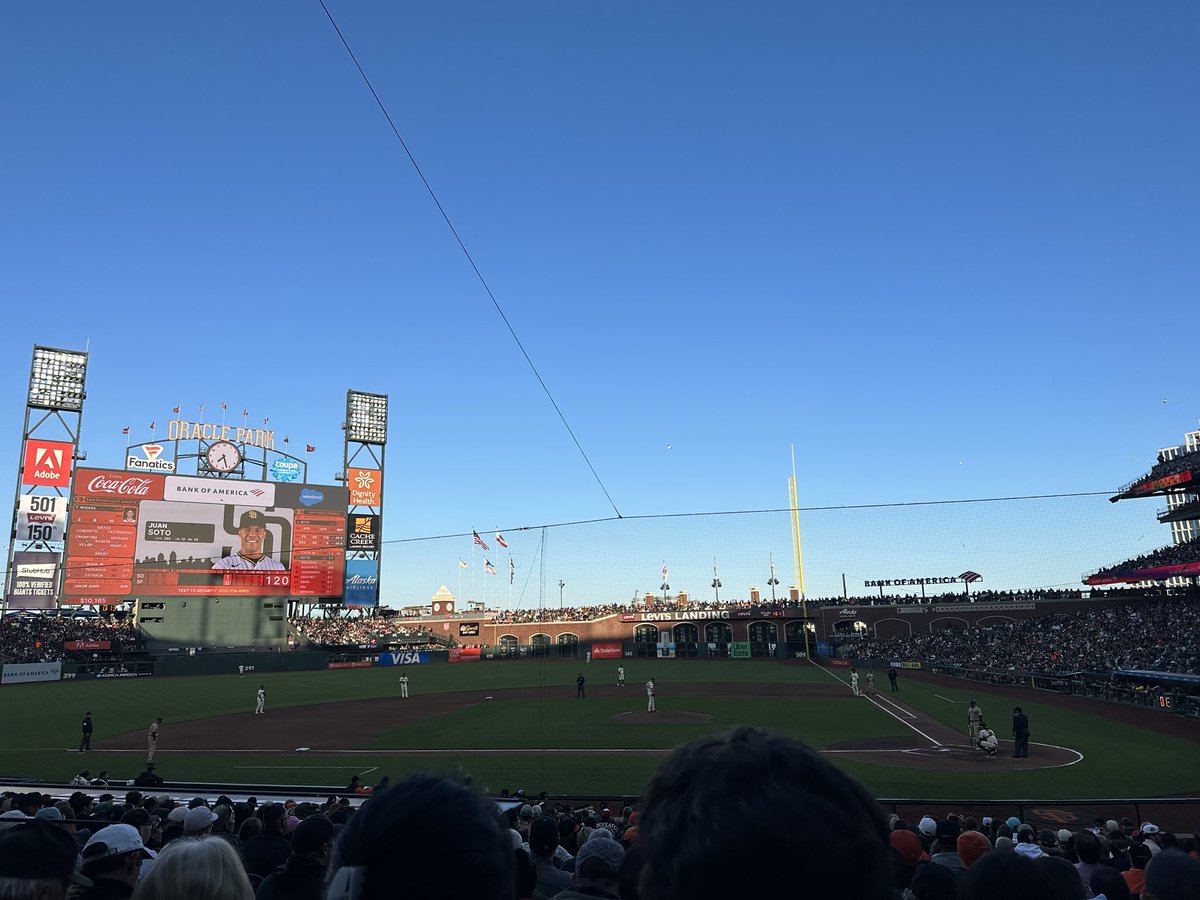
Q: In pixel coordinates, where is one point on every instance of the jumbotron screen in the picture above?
(142, 534)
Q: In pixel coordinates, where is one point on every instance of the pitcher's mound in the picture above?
(671, 716)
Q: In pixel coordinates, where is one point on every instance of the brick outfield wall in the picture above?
(886, 621)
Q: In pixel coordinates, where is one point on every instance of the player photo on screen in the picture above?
(216, 537)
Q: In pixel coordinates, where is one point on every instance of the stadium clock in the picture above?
(223, 456)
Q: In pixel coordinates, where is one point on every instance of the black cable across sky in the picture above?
(467, 253)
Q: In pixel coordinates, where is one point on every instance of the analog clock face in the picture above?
(223, 456)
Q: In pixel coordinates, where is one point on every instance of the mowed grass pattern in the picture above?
(39, 723)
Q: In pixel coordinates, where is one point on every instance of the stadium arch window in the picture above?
(992, 621)
(540, 644)
(509, 642)
(948, 623)
(646, 634)
(718, 633)
(893, 628)
(687, 639)
(794, 631)
(568, 645)
(763, 632)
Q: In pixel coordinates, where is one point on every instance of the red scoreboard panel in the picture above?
(175, 535)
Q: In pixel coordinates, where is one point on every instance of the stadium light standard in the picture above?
(561, 584)
(716, 583)
(665, 587)
(772, 581)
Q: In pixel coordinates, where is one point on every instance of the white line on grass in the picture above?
(880, 706)
(883, 699)
(947, 699)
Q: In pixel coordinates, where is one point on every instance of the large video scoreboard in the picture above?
(136, 534)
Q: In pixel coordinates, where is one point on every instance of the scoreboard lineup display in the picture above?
(151, 535)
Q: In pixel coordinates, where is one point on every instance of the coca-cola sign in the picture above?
(118, 483)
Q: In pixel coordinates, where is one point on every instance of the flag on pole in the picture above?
(285, 440)
(175, 409)
(151, 426)
(202, 410)
(223, 406)
(266, 419)
(511, 570)
(309, 448)
(664, 572)
(245, 412)
(489, 568)
(462, 563)
(500, 540)
(125, 430)
(477, 539)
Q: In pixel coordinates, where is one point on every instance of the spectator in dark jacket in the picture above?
(269, 850)
(302, 877)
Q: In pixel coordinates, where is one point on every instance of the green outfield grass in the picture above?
(40, 723)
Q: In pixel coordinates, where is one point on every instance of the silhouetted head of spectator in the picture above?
(1062, 878)
(1087, 846)
(543, 836)
(416, 832)
(37, 860)
(933, 882)
(114, 853)
(1172, 875)
(313, 838)
(1108, 881)
(1004, 876)
(946, 835)
(799, 807)
(971, 847)
(525, 874)
(274, 818)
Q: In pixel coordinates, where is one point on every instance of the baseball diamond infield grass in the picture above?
(536, 735)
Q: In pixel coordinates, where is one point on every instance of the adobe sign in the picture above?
(47, 463)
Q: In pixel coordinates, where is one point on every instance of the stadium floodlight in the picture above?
(56, 379)
(366, 417)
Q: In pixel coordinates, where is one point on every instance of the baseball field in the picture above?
(518, 724)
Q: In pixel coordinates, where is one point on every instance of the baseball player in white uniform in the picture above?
(974, 720)
(650, 696)
(404, 685)
(252, 534)
(620, 676)
(854, 683)
(152, 739)
(261, 702)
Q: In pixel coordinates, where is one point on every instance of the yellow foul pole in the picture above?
(799, 556)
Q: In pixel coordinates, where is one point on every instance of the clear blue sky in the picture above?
(946, 251)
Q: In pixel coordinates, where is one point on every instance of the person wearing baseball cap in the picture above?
(252, 537)
(40, 858)
(112, 859)
(597, 870)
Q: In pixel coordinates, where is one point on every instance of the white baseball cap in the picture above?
(113, 840)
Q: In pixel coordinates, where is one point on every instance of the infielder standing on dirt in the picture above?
(152, 739)
(974, 720)
(261, 702)
(403, 684)
(650, 696)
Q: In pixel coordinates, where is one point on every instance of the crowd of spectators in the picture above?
(1171, 555)
(33, 638)
(801, 826)
(370, 631)
(1158, 635)
(1189, 461)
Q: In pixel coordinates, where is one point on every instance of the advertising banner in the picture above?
(176, 536)
(464, 654)
(87, 645)
(840, 663)
(33, 576)
(41, 517)
(25, 673)
(905, 664)
(362, 533)
(468, 629)
(362, 582)
(739, 650)
(666, 650)
(285, 470)
(356, 664)
(366, 486)
(606, 651)
(404, 658)
(148, 458)
(47, 463)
